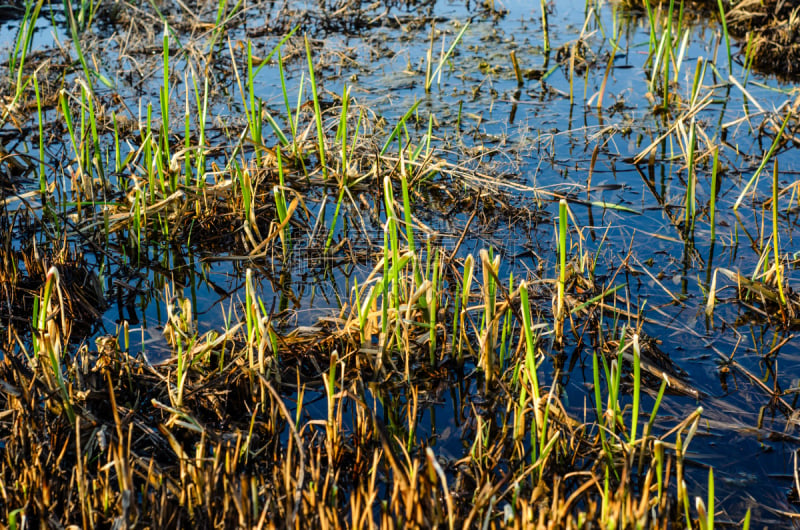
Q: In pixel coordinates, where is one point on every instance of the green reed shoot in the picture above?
(505, 337)
(775, 238)
(354, 143)
(725, 35)
(22, 45)
(713, 205)
(222, 7)
(187, 135)
(651, 20)
(86, 14)
(378, 290)
(279, 194)
(40, 116)
(292, 117)
(505, 329)
(147, 142)
(47, 340)
(711, 498)
(384, 337)
(772, 148)
(462, 303)
(662, 57)
(432, 303)
(520, 406)
(659, 58)
(489, 330)
(163, 93)
(13, 515)
(399, 127)
(613, 379)
(85, 154)
(339, 201)
(136, 223)
(650, 422)
(285, 92)
(699, 75)
(280, 206)
(331, 438)
(545, 446)
(690, 180)
(562, 262)
(429, 53)
(181, 355)
(637, 384)
(202, 114)
(252, 318)
(681, 53)
(545, 32)
(407, 217)
(117, 153)
(658, 458)
(668, 52)
(455, 334)
(424, 144)
(749, 56)
(255, 105)
(683, 499)
(160, 171)
(530, 341)
(73, 27)
(68, 121)
(341, 132)
(444, 58)
(94, 158)
(248, 196)
(317, 111)
(598, 400)
(393, 248)
(429, 136)
(517, 71)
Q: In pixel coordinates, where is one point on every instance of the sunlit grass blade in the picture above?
(317, 111)
(445, 57)
(775, 142)
(775, 236)
(725, 35)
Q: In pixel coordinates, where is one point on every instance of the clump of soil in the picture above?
(772, 29)
(769, 30)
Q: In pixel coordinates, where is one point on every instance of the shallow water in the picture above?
(531, 135)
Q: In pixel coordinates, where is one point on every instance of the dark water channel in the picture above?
(532, 136)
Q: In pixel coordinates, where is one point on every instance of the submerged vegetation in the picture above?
(237, 291)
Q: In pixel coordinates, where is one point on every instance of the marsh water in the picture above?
(575, 127)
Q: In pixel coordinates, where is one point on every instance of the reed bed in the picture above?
(263, 423)
(220, 435)
(224, 431)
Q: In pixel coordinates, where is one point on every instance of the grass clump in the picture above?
(220, 436)
(224, 431)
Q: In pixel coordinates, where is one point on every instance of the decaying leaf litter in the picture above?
(398, 223)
